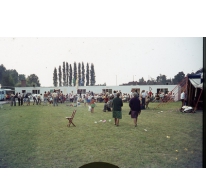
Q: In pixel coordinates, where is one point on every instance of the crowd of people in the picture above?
(113, 102)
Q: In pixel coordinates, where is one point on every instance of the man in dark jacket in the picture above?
(135, 107)
(117, 109)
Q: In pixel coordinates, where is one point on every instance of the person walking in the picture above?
(117, 109)
(135, 108)
(55, 96)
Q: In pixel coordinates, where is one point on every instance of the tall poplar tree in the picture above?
(70, 75)
(55, 77)
(67, 74)
(79, 74)
(83, 74)
(60, 76)
(64, 74)
(87, 75)
(75, 74)
(92, 75)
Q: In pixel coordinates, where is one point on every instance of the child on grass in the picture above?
(92, 103)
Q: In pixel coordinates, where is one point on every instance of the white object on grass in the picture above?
(89, 108)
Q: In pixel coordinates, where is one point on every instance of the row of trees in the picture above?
(67, 76)
(160, 80)
(10, 78)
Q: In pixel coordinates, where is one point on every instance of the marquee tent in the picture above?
(195, 90)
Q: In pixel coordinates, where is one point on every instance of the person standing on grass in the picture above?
(34, 98)
(22, 99)
(85, 100)
(39, 99)
(143, 96)
(182, 97)
(28, 100)
(54, 96)
(45, 98)
(19, 99)
(92, 103)
(117, 109)
(135, 108)
(89, 99)
(12, 99)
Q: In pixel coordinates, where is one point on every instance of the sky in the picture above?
(116, 60)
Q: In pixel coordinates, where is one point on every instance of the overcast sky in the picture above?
(35, 38)
(116, 60)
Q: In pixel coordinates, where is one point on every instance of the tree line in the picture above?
(67, 75)
(162, 79)
(10, 78)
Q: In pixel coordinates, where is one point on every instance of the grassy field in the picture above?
(38, 137)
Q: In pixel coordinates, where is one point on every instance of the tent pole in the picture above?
(189, 95)
(197, 101)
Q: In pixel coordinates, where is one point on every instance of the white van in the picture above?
(4, 92)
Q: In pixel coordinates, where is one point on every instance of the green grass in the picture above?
(38, 137)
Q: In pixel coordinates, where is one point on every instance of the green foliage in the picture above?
(83, 74)
(60, 76)
(92, 75)
(32, 80)
(79, 73)
(67, 74)
(70, 75)
(14, 75)
(2, 71)
(161, 79)
(64, 74)
(38, 137)
(179, 77)
(7, 79)
(75, 74)
(87, 75)
(55, 78)
(21, 77)
(10, 78)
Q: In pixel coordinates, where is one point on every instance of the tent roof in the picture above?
(200, 86)
(196, 83)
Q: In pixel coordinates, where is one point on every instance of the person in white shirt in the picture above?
(55, 96)
(182, 97)
(34, 96)
(131, 95)
(39, 98)
(143, 95)
(71, 97)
